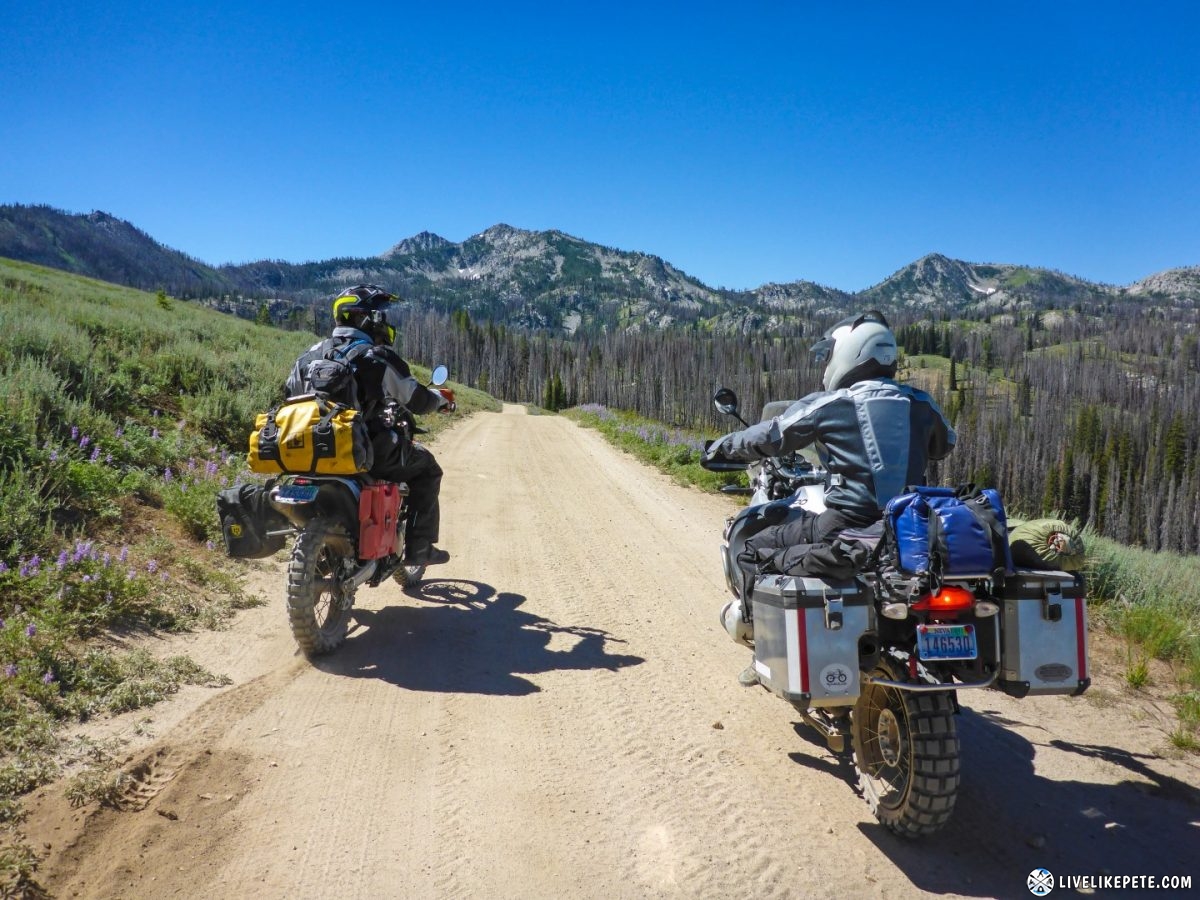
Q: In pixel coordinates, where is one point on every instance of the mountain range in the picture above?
(548, 280)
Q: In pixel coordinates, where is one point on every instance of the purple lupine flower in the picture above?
(165, 577)
(53, 456)
(74, 432)
(62, 561)
(130, 575)
(48, 678)
(124, 555)
(155, 413)
(152, 566)
(3, 567)
(154, 434)
(106, 559)
(120, 432)
(84, 441)
(10, 671)
(30, 630)
(210, 468)
(108, 459)
(95, 454)
(191, 463)
(168, 475)
(86, 579)
(210, 545)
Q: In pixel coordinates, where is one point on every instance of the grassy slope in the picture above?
(122, 414)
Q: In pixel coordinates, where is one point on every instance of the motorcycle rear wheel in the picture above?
(906, 752)
(318, 605)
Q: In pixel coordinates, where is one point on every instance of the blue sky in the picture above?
(744, 143)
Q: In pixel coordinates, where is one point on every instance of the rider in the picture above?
(380, 376)
(874, 436)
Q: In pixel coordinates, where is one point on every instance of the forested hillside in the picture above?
(1092, 416)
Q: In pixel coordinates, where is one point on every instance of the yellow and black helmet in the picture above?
(364, 306)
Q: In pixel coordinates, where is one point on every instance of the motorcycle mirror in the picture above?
(726, 401)
(439, 376)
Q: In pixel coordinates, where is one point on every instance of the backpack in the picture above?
(330, 372)
(948, 532)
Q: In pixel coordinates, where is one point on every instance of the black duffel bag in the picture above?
(247, 519)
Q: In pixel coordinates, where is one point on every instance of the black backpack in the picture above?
(330, 371)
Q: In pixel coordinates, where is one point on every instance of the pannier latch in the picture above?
(1052, 603)
(833, 611)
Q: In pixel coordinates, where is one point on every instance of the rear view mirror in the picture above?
(726, 401)
(439, 376)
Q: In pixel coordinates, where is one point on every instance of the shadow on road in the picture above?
(1010, 820)
(472, 639)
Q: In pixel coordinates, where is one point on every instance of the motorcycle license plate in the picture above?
(296, 493)
(937, 642)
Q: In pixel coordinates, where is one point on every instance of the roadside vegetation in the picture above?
(1149, 600)
(122, 414)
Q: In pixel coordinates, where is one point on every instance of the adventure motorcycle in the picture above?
(349, 531)
(875, 663)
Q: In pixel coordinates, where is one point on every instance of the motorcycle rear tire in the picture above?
(318, 607)
(906, 751)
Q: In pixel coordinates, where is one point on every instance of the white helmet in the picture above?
(857, 348)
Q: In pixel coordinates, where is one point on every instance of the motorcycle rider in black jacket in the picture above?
(363, 338)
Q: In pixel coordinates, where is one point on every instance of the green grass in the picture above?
(122, 414)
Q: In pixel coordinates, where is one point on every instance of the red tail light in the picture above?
(950, 598)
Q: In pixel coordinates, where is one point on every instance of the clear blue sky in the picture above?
(742, 142)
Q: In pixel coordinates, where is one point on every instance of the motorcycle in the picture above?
(875, 664)
(348, 531)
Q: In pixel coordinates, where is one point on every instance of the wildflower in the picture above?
(210, 468)
(108, 597)
(30, 630)
(86, 579)
(74, 432)
(120, 432)
(53, 456)
(10, 671)
(210, 545)
(155, 413)
(95, 454)
(108, 459)
(168, 475)
(48, 678)
(124, 555)
(152, 566)
(62, 561)
(154, 434)
(130, 575)
(165, 577)
(84, 441)
(3, 567)
(105, 559)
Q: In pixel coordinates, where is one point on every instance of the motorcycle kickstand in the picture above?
(835, 729)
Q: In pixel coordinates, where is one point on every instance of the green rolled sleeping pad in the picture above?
(1047, 544)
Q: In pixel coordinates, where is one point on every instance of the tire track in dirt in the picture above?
(539, 722)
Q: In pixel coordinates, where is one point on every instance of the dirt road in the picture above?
(557, 715)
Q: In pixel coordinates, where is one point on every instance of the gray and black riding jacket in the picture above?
(874, 438)
(380, 373)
